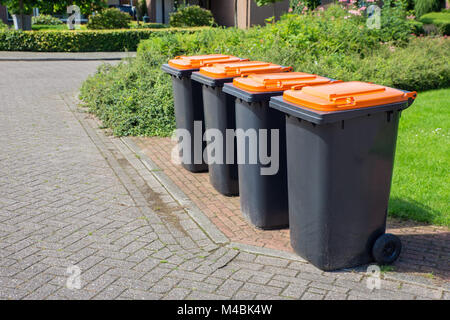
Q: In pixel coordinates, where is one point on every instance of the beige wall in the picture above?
(248, 13)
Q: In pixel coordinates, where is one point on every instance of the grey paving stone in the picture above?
(199, 295)
(311, 296)
(140, 295)
(271, 261)
(263, 289)
(177, 294)
(244, 295)
(421, 291)
(294, 291)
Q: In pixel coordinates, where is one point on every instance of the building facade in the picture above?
(247, 12)
(226, 12)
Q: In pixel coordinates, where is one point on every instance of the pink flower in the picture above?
(411, 17)
(354, 12)
(321, 9)
(362, 8)
(290, 10)
(370, 0)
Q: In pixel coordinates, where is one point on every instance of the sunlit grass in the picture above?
(421, 183)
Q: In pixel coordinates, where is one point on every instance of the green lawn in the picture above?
(421, 181)
(37, 27)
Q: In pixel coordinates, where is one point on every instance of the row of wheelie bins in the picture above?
(302, 151)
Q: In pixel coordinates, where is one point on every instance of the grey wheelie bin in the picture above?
(188, 102)
(220, 115)
(263, 184)
(340, 152)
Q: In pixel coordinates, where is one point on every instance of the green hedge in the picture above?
(79, 40)
(440, 19)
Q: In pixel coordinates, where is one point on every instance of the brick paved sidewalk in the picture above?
(426, 249)
(72, 195)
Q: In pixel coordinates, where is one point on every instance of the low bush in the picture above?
(422, 7)
(151, 25)
(3, 26)
(191, 16)
(46, 19)
(79, 40)
(109, 19)
(132, 98)
(135, 98)
(440, 19)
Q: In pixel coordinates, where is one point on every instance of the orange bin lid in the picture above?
(345, 96)
(196, 62)
(278, 81)
(237, 69)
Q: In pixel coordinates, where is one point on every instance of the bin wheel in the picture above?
(386, 249)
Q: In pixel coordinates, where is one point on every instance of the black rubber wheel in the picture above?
(386, 249)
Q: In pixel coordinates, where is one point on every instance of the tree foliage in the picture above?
(53, 6)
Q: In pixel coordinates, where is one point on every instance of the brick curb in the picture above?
(194, 212)
(200, 218)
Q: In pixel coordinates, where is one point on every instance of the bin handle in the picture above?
(344, 102)
(298, 87)
(269, 83)
(411, 94)
(286, 69)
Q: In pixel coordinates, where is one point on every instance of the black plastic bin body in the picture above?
(219, 114)
(263, 198)
(188, 105)
(339, 168)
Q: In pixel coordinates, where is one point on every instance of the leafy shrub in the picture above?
(300, 6)
(191, 16)
(440, 19)
(141, 9)
(78, 41)
(109, 19)
(46, 19)
(151, 25)
(3, 26)
(13, 6)
(136, 98)
(132, 98)
(394, 23)
(422, 7)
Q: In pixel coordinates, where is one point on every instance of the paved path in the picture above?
(71, 195)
